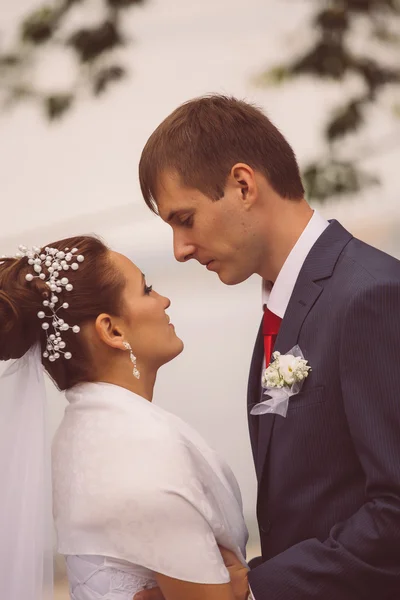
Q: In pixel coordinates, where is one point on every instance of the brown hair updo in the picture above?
(97, 288)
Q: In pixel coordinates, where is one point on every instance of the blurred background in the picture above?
(83, 83)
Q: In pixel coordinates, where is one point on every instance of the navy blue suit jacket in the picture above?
(328, 474)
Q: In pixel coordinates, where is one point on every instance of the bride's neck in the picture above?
(143, 386)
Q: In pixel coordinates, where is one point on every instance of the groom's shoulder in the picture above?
(366, 263)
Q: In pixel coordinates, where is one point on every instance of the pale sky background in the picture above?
(80, 176)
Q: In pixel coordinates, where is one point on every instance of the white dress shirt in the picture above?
(276, 297)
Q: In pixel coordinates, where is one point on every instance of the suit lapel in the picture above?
(254, 391)
(318, 265)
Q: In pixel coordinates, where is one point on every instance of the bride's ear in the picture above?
(109, 331)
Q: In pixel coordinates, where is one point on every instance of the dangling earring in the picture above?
(136, 373)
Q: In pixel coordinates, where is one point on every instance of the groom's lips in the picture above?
(209, 265)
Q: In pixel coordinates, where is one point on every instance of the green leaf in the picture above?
(333, 19)
(385, 35)
(375, 75)
(57, 104)
(91, 43)
(123, 3)
(10, 60)
(106, 76)
(275, 76)
(40, 25)
(17, 93)
(370, 6)
(329, 58)
(335, 178)
(347, 120)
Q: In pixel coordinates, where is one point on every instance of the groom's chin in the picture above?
(230, 278)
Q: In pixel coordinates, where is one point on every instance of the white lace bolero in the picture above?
(135, 483)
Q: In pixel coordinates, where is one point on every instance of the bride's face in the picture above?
(146, 325)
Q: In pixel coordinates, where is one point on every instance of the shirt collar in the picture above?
(276, 297)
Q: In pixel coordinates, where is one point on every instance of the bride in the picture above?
(139, 499)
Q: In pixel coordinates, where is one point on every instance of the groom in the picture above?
(227, 182)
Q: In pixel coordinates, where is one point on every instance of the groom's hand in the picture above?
(153, 594)
(238, 574)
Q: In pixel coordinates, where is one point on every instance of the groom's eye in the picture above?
(187, 222)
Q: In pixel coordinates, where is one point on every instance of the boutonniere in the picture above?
(283, 378)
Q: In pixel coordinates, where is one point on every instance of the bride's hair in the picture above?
(97, 288)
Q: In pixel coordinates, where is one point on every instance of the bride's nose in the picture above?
(166, 302)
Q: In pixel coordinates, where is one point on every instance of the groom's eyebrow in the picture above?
(172, 215)
(176, 213)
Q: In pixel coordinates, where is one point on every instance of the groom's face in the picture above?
(215, 233)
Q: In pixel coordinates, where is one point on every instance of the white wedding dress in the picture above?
(136, 491)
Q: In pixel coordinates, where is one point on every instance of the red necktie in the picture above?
(271, 323)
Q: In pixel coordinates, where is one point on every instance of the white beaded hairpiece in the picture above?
(55, 262)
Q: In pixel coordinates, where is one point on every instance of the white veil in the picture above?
(26, 546)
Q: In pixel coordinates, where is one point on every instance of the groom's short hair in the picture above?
(204, 138)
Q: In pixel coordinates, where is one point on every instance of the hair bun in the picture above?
(13, 344)
(19, 303)
(11, 335)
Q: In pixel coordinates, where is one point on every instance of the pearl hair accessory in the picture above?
(55, 262)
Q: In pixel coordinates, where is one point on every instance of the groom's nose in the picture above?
(183, 249)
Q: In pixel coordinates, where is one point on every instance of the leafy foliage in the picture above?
(92, 47)
(336, 24)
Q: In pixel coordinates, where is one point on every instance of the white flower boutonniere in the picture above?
(283, 378)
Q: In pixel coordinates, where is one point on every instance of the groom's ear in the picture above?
(244, 179)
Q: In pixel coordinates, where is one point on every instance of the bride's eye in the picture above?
(148, 289)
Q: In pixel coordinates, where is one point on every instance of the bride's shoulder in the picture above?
(111, 418)
(112, 423)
